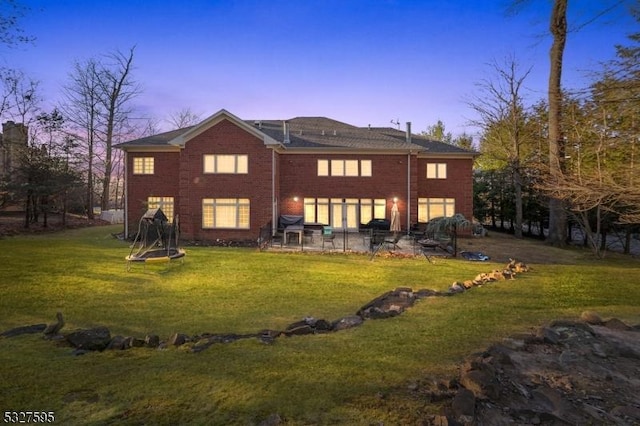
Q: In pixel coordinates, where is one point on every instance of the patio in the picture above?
(349, 242)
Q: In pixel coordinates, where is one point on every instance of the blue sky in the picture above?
(358, 61)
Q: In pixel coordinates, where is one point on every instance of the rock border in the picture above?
(387, 305)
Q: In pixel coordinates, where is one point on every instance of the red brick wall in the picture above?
(299, 177)
(458, 185)
(224, 138)
(163, 183)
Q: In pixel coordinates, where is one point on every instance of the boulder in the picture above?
(178, 339)
(347, 322)
(92, 339)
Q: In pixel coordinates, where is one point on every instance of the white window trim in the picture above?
(239, 159)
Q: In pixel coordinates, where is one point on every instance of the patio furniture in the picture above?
(393, 241)
(328, 236)
(377, 241)
(293, 229)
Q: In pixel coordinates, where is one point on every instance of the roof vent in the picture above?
(408, 132)
(258, 124)
(323, 133)
(285, 130)
(335, 133)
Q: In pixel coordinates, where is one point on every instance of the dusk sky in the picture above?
(358, 61)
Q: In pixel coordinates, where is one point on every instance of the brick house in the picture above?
(226, 177)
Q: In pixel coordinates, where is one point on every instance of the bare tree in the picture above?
(183, 118)
(97, 100)
(82, 107)
(11, 34)
(117, 89)
(503, 118)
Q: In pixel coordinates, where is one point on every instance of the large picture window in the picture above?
(436, 170)
(430, 208)
(226, 163)
(229, 213)
(163, 203)
(143, 165)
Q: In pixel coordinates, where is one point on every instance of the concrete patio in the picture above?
(351, 242)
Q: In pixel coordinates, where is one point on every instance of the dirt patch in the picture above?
(501, 247)
(568, 373)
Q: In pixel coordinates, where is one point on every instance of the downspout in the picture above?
(126, 196)
(274, 219)
(408, 178)
(408, 192)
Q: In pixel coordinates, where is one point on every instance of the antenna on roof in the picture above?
(397, 122)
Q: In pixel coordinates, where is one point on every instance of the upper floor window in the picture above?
(344, 168)
(436, 170)
(226, 163)
(143, 165)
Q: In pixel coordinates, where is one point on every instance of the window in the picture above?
(372, 209)
(436, 170)
(226, 163)
(330, 211)
(365, 168)
(143, 165)
(163, 203)
(344, 168)
(230, 213)
(323, 167)
(316, 210)
(430, 208)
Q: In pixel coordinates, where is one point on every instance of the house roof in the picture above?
(325, 133)
(306, 134)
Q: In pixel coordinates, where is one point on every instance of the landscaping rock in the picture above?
(151, 341)
(567, 373)
(347, 322)
(177, 339)
(92, 339)
(389, 304)
(27, 329)
(53, 329)
(116, 343)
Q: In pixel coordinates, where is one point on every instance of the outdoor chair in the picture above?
(393, 242)
(377, 241)
(278, 237)
(328, 236)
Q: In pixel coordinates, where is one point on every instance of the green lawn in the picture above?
(357, 376)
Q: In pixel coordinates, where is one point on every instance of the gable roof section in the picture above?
(216, 118)
(178, 138)
(161, 140)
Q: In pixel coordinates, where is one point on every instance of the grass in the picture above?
(357, 376)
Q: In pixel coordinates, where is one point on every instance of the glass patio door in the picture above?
(344, 214)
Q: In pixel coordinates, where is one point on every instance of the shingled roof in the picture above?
(311, 133)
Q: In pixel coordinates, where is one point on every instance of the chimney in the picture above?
(285, 130)
(408, 132)
(12, 142)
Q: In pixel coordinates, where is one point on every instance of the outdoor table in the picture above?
(295, 229)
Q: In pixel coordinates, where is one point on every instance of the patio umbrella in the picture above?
(395, 219)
